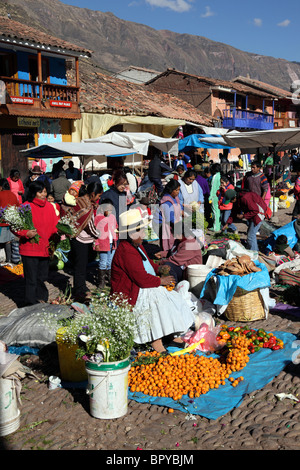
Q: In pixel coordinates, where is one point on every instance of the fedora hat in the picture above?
(36, 170)
(131, 221)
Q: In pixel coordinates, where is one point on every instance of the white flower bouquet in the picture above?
(105, 333)
(67, 225)
(19, 218)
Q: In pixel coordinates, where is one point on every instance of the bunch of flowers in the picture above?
(105, 333)
(67, 225)
(18, 218)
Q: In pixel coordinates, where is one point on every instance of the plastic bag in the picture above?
(208, 333)
(201, 308)
(234, 249)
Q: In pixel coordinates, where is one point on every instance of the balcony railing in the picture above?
(40, 90)
(245, 119)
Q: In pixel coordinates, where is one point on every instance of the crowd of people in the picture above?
(118, 215)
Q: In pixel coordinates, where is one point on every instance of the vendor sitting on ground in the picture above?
(282, 247)
(159, 312)
(185, 251)
(250, 206)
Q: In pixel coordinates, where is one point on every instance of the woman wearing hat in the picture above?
(159, 312)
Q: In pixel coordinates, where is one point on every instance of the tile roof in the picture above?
(13, 30)
(239, 87)
(101, 93)
(279, 92)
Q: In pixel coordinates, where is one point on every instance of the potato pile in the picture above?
(239, 266)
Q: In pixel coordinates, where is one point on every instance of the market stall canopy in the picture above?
(276, 140)
(77, 149)
(138, 141)
(202, 141)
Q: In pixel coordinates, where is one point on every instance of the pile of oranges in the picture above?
(18, 269)
(188, 374)
(170, 287)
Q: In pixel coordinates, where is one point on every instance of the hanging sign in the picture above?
(28, 122)
(22, 100)
(61, 104)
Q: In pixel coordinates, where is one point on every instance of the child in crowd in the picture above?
(70, 198)
(106, 244)
(50, 198)
(225, 206)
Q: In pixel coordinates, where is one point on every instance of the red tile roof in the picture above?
(13, 30)
(279, 92)
(239, 87)
(105, 94)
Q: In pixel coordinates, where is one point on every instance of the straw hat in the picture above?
(131, 221)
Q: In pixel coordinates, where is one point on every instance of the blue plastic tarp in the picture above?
(227, 285)
(193, 141)
(261, 369)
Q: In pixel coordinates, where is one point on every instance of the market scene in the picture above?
(149, 258)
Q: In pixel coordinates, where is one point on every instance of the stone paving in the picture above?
(59, 419)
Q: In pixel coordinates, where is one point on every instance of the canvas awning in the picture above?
(276, 140)
(138, 141)
(77, 149)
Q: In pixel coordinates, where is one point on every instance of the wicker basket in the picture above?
(245, 306)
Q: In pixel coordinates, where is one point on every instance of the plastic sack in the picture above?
(208, 333)
(201, 308)
(234, 249)
(32, 326)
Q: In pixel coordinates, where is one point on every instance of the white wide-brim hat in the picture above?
(131, 221)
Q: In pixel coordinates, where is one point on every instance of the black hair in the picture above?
(190, 173)
(4, 184)
(256, 163)
(14, 172)
(94, 187)
(171, 186)
(215, 168)
(35, 187)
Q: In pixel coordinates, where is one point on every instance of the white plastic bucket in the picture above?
(196, 276)
(9, 411)
(108, 388)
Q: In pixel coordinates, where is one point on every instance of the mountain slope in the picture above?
(118, 43)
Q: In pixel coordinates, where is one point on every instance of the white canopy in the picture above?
(80, 149)
(277, 139)
(138, 141)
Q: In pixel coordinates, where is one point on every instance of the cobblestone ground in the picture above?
(59, 419)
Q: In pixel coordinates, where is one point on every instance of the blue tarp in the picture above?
(261, 369)
(193, 141)
(227, 285)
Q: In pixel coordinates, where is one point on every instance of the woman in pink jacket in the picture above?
(16, 185)
(35, 256)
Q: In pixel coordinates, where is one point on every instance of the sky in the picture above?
(264, 27)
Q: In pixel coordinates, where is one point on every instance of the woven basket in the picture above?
(245, 306)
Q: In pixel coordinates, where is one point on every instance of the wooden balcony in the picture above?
(245, 119)
(26, 97)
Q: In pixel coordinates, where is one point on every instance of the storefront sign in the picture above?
(21, 100)
(61, 104)
(28, 122)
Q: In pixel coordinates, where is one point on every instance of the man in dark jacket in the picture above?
(60, 186)
(250, 206)
(155, 171)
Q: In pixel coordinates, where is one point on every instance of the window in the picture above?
(33, 70)
(6, 61)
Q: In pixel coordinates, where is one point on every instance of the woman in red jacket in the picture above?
(35, 256)
(159, 313)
